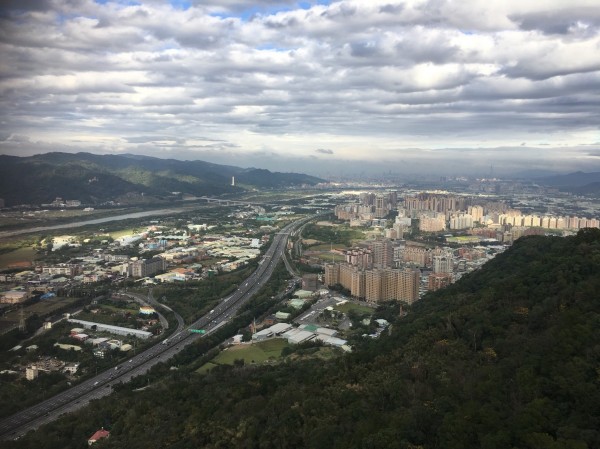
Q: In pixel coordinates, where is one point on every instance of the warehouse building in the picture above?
(118, 330)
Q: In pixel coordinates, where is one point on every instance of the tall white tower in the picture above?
(233, 181)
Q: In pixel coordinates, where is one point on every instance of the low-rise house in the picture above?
(80, 337)
(13, 297)
(282, 315)
(98, 435)
(71, 368)
(67, 347)
(31, 372)
(100, 352)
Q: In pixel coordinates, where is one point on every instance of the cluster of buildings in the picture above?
(374, 285)
(371, 206)
(179, 259)
(50, 365)
(301, 334)
(393, 269)
(438, 212)
(369, 274)
(59, 203)
(386, 269)
(515, 218)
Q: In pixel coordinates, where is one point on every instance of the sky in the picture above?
(322, 87)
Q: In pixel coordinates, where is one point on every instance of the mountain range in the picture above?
(577, 182)
(95, 179)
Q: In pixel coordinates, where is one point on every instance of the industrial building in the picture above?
(118, 330)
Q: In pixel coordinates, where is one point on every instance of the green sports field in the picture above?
(258, 352)
(358, 308)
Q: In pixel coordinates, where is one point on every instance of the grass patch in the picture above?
(329, 257)
(114, 309)
(123, 232)
(49, 305)
(326, 247)
(329, 223)
(464, 239)
(206, 368)
(113, 320)
(258, 352)
(18, 257)
(358, 308)
(41, 308)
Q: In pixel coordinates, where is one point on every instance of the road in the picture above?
(101, 385)
(150, 301)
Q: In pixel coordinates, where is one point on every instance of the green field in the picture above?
(326, 247)
(133, 309)
(17, 256)
(255, 353)
(358, 308)
(48, 305)
(331, 257)
(128, 231)
(113, 320)
(464, 239)
(41, 308)
(206, 368)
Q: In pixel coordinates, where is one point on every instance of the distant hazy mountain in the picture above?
(579, 183)
(93, 178)
(577, 179)
(591, 189)
(534, 174)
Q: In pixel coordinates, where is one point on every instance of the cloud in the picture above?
(364, 79)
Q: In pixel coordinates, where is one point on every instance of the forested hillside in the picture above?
(509, 357)
(93, 178)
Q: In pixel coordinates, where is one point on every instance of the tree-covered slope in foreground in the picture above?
(506, 358)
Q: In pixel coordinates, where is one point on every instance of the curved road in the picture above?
(80, 395)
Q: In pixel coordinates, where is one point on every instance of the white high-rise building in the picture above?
(443, 264)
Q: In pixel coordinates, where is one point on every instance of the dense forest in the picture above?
(508, 357)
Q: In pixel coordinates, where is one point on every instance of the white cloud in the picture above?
(357, 78)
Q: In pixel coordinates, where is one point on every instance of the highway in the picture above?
(80, 395)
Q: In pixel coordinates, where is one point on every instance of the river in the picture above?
(78, 224)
